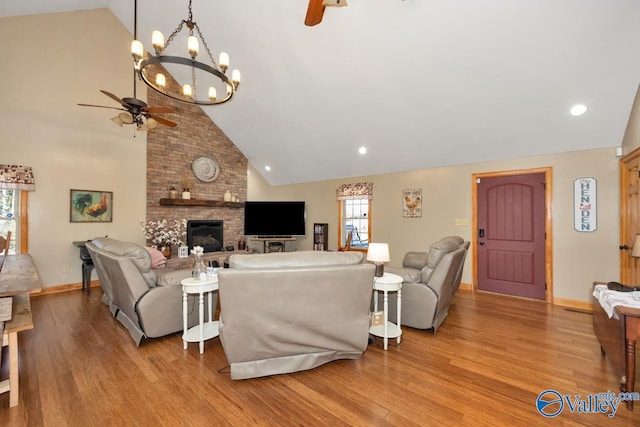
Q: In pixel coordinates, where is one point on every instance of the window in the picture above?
(355, 220)
(354, 207)
(9, 211)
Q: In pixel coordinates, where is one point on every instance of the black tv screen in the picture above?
(274, 219)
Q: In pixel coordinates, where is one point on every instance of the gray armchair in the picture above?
(147, 302)
(430, 280)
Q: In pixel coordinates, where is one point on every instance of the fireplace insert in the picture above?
(205, 233)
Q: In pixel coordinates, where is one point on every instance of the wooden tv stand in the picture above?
(274, 244)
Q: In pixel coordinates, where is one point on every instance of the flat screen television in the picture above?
(274, 219)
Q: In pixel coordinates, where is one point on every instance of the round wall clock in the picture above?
(205, 168)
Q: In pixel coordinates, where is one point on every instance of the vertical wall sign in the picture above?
(585, 216)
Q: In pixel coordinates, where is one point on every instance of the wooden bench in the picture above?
(21, 320)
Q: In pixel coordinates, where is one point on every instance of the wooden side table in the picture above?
(204, 330)
(617, 337)
(389, 282)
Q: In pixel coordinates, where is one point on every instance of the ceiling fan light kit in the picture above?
(207, 81)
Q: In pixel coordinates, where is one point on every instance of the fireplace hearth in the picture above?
(205, 233)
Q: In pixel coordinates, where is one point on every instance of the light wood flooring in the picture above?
(485, 367)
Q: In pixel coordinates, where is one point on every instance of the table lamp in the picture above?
(378, 253)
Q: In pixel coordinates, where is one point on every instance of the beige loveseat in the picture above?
(147, 302)
(430, 281)
(287, 312)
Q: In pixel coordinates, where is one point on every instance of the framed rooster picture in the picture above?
(412, 203)
(91, 206)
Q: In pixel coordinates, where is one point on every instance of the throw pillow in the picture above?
(157, 259)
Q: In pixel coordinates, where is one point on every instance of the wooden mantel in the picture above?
(201, 202)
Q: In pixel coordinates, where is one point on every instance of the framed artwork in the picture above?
(412, 203)
(585, 212)
(91, 206)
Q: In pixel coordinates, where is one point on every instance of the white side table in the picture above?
(389, 282)
(204, 330)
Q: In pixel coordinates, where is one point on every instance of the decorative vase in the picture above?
(173, 194)
(242, 244)
(186, 194)
(227, 196)
(166, 251)
(199, 270)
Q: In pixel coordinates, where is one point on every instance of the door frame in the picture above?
(548, 222)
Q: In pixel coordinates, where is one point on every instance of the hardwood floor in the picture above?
(486, 365)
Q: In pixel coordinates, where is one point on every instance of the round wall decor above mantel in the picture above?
(205, 168)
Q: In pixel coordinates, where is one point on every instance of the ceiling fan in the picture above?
(136, 112)
(315, 10)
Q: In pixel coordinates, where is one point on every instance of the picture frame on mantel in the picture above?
(90, 206)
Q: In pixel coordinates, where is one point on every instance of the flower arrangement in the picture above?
(161, 233)
(197, 250)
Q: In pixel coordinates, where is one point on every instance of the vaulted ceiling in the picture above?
(419, 83)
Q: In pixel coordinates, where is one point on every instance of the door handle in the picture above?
(481, 243)
(624, 247)
(481, 232)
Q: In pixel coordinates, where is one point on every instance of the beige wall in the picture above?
(578, 258)
(64, 61)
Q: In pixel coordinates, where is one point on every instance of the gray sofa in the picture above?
(287, 312)
(147, 302)
(430, 280)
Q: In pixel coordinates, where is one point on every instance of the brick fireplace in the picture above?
(170, 152)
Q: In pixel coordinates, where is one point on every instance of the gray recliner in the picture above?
(430, 280)
(147, 302)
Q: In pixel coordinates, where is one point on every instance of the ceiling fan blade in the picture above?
(315, 11)
(115, 98)
(163, 121)
(101, 106)
(158, 110)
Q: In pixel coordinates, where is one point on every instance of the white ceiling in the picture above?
(419, 83)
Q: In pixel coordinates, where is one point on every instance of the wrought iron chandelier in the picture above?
(208, 84)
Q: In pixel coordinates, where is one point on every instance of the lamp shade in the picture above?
(635, 252)
(378, 252)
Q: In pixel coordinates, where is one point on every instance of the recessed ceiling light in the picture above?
(362, 150)
(267, 168)
(578, 110)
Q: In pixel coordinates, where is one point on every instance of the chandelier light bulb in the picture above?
(157, 39)
(192, 46)
(137, 50)
(235, 78)
(212, 93)
(187, 90)
(224, 61)
(161, 81)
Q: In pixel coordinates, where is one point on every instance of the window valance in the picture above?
(360, 190)
(17, 177)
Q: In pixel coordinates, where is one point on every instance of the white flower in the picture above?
(161, 233)
(197, 250)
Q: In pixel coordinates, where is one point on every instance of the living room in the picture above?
(71, 147)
